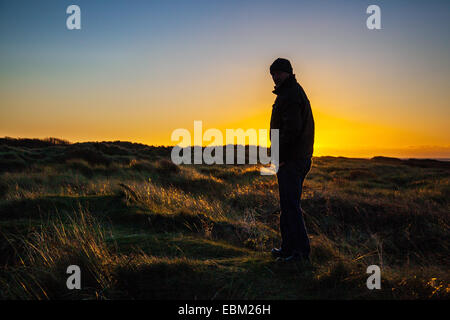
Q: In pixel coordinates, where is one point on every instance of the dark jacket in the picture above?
(292, 115)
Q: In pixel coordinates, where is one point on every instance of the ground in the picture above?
(141, 227)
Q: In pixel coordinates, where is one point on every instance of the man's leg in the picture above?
(292, 225)
(283, 186)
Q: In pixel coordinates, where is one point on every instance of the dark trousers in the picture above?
(294, 237)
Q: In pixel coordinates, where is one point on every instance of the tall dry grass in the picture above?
(46, 254)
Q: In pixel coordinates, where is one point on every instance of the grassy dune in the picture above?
(141, 227)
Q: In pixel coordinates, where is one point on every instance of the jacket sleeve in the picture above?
(291, 125)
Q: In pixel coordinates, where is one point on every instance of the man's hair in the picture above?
(281, 64)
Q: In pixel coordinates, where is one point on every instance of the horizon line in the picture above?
(67, 142)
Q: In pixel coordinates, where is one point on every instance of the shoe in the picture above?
(280, 253)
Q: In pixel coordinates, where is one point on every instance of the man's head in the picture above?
(280, 70)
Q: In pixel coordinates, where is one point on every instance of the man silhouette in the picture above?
(292, 115)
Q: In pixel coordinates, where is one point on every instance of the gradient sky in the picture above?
(137, 70)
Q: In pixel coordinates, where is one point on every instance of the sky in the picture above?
(138, 70)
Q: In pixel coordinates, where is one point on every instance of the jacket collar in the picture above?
(289, 82)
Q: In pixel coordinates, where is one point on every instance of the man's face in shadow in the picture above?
(279, 76)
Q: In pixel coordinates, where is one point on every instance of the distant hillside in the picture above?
(17, 154)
